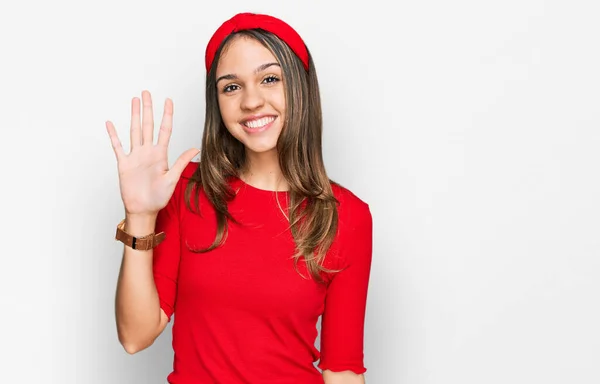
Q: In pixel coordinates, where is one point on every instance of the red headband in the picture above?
(244, 21)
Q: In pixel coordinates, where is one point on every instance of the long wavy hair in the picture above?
(312, 211)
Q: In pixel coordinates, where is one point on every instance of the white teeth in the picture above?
(259, 123)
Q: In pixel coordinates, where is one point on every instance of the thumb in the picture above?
(182, 162)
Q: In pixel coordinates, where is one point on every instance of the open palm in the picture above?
(145, 180)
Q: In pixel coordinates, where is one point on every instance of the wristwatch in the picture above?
(143, 243)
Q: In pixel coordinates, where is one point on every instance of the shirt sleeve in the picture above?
(166, 255)
(342, 323)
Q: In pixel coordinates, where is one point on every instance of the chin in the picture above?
(262, 142)
(263, 147)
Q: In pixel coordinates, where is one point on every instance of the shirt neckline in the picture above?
(248, 187)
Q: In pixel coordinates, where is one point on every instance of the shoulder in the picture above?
(354, 230)
(351, 209)
(183, 181)
(186, 176)
(189, 170)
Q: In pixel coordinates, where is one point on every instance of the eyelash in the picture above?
(275, 79)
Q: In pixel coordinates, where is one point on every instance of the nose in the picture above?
(252, 98)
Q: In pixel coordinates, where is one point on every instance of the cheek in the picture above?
(227, 110)
(228, 115)
(279, 102)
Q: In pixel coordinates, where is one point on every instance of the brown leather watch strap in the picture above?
(143, 243)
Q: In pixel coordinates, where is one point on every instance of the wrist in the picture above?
(140, 224)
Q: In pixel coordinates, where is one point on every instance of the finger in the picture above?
(147, 119)
(166, 126)
(135, 133)
(114, 140)
(180, 164)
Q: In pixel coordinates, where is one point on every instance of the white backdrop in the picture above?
(470, 127)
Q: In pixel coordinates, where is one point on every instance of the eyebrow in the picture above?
(260, 68)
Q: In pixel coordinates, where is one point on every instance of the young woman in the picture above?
(247, 248)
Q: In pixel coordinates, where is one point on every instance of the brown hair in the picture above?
(312, 209)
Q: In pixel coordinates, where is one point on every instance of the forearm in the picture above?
(137, 306)
(344, 377)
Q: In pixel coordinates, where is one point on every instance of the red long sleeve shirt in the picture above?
(242, 313)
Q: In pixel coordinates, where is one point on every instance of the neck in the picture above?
(262, 171)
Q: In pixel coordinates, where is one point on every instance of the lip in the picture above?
(256, 117)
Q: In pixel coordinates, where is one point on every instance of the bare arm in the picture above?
(146, 185)
(344, 377)
(140, 320)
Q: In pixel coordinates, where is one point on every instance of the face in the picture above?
(251, 94)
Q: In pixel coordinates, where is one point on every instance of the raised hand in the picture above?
(145, 180)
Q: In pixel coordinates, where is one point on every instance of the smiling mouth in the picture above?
(258, 123)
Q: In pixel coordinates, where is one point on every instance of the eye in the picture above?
(230, 88)
(271, 79)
